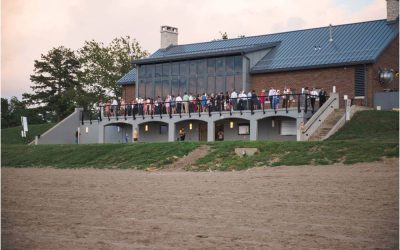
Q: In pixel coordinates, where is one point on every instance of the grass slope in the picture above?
(369, 136)
(13, 135)
(137, 156)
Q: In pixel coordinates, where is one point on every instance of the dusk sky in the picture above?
(30, 28)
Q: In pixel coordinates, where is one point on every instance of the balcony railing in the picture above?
(305, 102)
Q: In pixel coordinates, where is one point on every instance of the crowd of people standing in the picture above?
(204, 102)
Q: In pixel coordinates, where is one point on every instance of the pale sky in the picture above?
(30, 28)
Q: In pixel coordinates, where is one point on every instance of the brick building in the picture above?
(352, 57)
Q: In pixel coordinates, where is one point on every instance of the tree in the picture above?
(11, 112)
(56, 88)
(103, 66)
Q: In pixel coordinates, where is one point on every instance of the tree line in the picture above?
(64, 79)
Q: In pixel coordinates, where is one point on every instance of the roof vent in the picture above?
(169, 36)
(330, 33)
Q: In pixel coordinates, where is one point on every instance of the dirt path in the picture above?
(187, 160)
(304, 207)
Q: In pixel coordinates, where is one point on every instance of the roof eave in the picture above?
(205, 55)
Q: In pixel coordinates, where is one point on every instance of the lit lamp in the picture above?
(190, 126)
(87, 130)
(231, 124)
(146, 127)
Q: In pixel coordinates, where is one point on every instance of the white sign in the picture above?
(24, 122)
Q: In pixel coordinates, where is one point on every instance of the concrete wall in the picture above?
(64, 131)
(387, 100)
(232, 134)
(153, 133)
(118, 133)
(92, 134)
(267, 132)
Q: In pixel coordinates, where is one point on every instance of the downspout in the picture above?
(366, 84)
(137, 80)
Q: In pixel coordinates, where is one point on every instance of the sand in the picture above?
(306, 207)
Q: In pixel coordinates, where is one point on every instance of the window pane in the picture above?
(142, 71)
(211, 66)
(201, 85)
(149, 89)
(238, 83)
(142, 89)
(182, 85)
(211, 84)
(166, 68)
(166, 90)
(193, 66)
(192, 85)
(157, 88)
(175, 69)
(201, 67)
(220, 84)
(174, 86)
(149, 71)
(158, 70)
(183, 69)
(219, 64)
(229, 61)
(230, 83)
(238, 64)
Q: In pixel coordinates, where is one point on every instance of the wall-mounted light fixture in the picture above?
(273, 123)
(231, 124)
(146, 127)
(87, 130)
(190, 126)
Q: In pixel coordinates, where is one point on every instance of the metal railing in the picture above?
(209, 106)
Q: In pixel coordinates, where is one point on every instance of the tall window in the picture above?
(211, 75)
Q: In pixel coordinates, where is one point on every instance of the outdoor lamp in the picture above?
(231, 124)
(190, 126)
(146, 127)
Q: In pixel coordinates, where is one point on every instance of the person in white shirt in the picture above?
(179, 104)
(114, 106)
(271, 94)
(242, 100)
(234, 99)
(313, 96)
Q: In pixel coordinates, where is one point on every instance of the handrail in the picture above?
(318, 114)
(210, 106)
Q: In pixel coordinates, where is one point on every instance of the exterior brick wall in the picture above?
(342, 77)
(128, 92)
(389, 60)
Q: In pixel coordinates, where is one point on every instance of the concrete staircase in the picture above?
(327, 125)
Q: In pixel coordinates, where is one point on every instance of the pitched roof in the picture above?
(309, 48)
(128, 78)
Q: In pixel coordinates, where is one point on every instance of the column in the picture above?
(171, 131)
(101, 133)
(210, 131)
(253, 130)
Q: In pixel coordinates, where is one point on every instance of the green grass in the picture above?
(368, 137)
(13, 135)
(372, 125)
(137, 156)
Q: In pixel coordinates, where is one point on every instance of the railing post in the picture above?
(298, 103)
(305, 103)
(125, 110)
(82, 114)
(189, 108)
(90, 117)
(100, 108)
(287, 102)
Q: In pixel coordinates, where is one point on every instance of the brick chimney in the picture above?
(392, 9)
(169, 35)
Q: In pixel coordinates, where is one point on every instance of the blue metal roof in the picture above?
(128, 78)
(352, 44)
